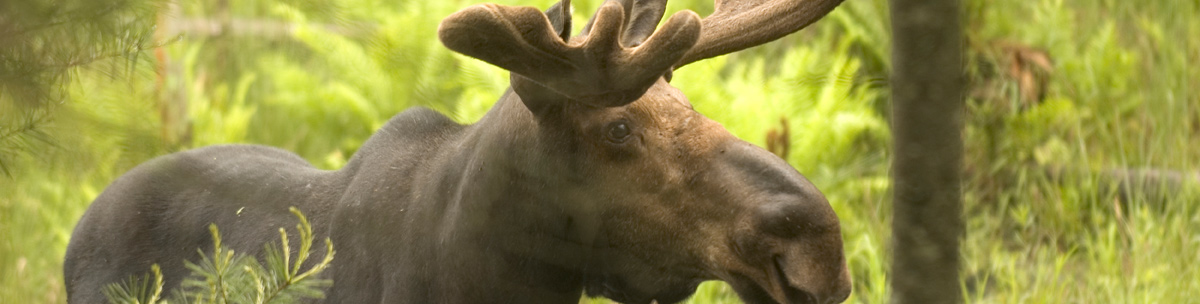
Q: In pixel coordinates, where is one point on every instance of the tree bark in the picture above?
(927, 104)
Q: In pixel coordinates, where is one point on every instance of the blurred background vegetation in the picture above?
(1081, 142)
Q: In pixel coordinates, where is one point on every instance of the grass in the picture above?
(1065, 95)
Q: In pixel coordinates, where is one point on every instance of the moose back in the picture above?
(590, 175)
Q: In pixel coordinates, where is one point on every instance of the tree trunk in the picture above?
(927, 100)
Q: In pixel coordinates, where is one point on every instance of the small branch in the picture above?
(12, 134)
(1152, 176)
(259, 28)
(87, 60)
(1130, 182)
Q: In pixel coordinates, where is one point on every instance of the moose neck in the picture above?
(493, 217)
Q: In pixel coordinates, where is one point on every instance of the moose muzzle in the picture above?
(788, 247)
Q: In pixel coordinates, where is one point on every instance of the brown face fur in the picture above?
(680, 200)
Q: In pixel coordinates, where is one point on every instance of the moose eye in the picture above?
(618, 131)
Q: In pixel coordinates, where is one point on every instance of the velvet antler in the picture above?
(595, 69)
(642, 17)
(739, 24)
(620, 54)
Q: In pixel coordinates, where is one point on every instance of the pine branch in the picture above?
(137, 290)
(293, 280)
(42, 43)
(212, 282)
(12, 137)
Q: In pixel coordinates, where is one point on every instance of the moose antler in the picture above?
(735, 25)
(620, 54)
(594, 69)
(739, 24)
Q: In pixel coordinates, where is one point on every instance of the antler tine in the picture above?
(560, 19)
(643, 17)
(596, 69)
(740, 24)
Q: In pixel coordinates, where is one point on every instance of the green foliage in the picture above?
(1047, 217)
(225, 277)
(145, 289)
(42, 46)
(42, 41)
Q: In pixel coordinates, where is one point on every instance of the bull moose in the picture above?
(590, 175)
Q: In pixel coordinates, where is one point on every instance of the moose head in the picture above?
(678, 197)
(592, 174)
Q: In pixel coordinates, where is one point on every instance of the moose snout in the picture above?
(794, 234)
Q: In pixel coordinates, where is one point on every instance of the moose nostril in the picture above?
(840, 298)
(800, 296)
(793, 294)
